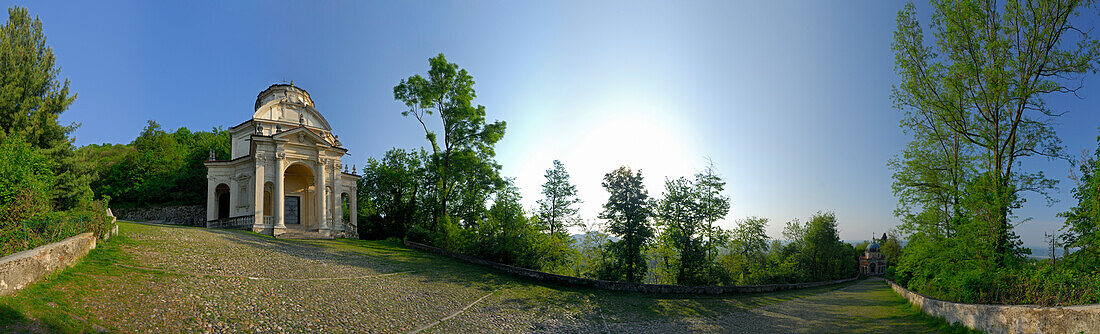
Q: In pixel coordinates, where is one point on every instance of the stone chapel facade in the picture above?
(284, 177)
(873, 262)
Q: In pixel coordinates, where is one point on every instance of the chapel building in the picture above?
(873, 262)
(284, 177)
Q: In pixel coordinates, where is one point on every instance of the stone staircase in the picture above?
(301, 234)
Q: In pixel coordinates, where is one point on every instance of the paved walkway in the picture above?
(178, 279)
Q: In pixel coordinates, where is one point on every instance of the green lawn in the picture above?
(181, 279)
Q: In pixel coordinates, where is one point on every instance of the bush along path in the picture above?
(153, 278)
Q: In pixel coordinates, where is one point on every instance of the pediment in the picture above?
(302, 135)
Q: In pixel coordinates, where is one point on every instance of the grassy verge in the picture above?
(51, 304)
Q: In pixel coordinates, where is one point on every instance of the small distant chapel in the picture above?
(284, 177)
(873, 262)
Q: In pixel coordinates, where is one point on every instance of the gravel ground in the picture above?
(179, 279)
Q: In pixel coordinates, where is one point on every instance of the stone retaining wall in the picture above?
(22, 269)
(620, 286)
(189, 215)
(19, 270)
(996, 319)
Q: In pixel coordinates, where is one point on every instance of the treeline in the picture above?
(973, 102)
(156, 168)
(451, 195)
(45, 191)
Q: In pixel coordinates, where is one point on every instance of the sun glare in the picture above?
(649, 140)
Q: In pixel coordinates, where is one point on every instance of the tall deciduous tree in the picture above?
(462, 164)
(712, 206)
(557, 209)
(389, 191)
(627, 212)
(687, 211)
(819, 245)
(679, 211)
(750, 239)
(748, 247)
(985, 82)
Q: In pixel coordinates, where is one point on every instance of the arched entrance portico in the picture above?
(298, 190)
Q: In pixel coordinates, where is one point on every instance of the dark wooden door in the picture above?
(223, 206)
(293, 212)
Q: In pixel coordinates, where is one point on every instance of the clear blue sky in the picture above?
(791, 100)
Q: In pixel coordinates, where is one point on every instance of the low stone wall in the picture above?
(996, 319)
(22, 269)
(19, 270)
(189, 215)
(545, 277)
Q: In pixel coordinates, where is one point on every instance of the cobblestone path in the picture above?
(158, 279)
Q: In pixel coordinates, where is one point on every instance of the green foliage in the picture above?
(746, 260)
(557, 209)
(973, 100)
(587, 255)
(820, 246)
(891, 247)
(31, 101)
(814, 252)
(157, 167)
(31, 97)
(389, 192)
(39, 172)
(25, 181)
(47, 227)
(685, 213)
(508, 236)
(440, 197)
(1082, 226)
(462, 170)
(627, 211)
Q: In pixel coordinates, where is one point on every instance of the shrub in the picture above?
(26, 180)
(44, 228)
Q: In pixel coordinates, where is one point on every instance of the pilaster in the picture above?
(278, 195)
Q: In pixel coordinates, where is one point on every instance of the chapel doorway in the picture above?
(222, 193)
(293, 213)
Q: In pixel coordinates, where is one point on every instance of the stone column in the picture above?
(319, 195)
(211, 200)
(333, 207)
(277, 196)
(258, 225)
(353, 205)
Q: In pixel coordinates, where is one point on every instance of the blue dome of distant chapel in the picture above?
(873, 247)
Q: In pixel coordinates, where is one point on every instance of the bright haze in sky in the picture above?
(789, 99)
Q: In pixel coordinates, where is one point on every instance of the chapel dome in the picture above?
(290, 92)
(873, 247)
